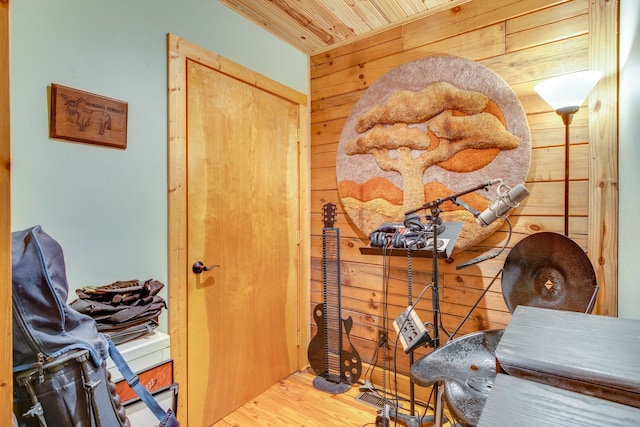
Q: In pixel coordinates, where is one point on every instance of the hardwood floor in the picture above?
(296, 402)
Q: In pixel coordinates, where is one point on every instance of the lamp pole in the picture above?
(565, 94)
(567, 114)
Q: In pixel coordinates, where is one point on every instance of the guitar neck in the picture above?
(333, 319)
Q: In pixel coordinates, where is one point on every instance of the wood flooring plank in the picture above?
(294, 401)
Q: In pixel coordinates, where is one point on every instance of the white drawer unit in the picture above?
(145, 355)
(142, 353)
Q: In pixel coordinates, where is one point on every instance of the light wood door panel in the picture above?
(238, 198)
(242, 215)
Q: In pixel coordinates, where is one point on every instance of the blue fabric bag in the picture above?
(59, 356)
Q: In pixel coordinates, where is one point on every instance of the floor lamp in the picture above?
(565, 94)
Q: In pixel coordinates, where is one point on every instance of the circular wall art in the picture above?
(426, 130)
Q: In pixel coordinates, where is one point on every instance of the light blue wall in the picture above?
(629, 162)
(108, 207)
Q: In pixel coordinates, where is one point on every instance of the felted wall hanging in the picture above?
(426, 130)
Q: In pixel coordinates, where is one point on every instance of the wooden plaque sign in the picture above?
(85, 117)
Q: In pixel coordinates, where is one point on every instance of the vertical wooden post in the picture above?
(6, 342)
(602, 245)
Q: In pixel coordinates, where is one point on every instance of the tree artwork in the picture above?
(427, 142)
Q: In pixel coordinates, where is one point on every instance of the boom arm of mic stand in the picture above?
(459, 202)
(437, 202)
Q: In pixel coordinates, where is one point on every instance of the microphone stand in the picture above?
(437, 202)
(434, 206)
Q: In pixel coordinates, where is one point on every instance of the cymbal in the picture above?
(548, 270)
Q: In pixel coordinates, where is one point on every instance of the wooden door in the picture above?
(236, 331)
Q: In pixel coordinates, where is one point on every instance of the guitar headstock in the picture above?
(329, 215)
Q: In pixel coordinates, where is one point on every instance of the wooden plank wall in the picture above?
(6, 391)
(523, 41)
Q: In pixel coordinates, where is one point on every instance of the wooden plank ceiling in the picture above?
(313, 26)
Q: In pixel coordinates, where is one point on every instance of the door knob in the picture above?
(199, 267)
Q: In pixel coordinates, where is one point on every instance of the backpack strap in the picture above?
(89, 387)
(135, 384)
(24, 380)
(36, 410)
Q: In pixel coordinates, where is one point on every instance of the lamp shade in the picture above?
(568, 90)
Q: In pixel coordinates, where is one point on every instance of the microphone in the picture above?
(503, 204)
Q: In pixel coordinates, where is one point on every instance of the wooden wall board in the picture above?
(466, 17)
(603, 170)
(572, 27)
(379, 46)
(484, 42)
(548, 15)
(543, 159)
(6, 343)
(536, 63)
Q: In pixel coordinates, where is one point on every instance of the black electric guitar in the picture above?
(331, 354)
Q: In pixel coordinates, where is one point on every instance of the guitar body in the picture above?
(350, 363)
